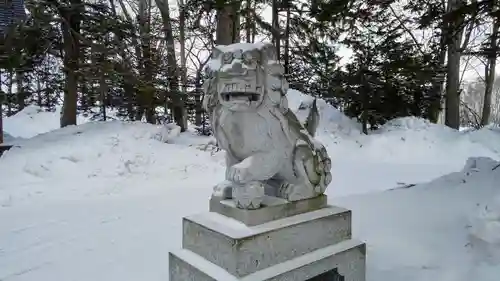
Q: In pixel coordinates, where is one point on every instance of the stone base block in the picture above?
(273, 208)
(242, 250)
(345, 260)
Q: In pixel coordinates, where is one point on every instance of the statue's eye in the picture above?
(237, 54)
(215, 53)
(247, 58)
(228, 57)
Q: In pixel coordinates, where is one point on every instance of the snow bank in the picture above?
(406, 151)
(424, 232)
(485, 230)
(33, 120)
(403, 141)
(91, 153)
(332, 121)
(413, 124)
(8, 138)
(420, 141)
(484, 227)
(169, 132)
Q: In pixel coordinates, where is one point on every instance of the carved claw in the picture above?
(293, 192)
(283, 190)
(248, 196)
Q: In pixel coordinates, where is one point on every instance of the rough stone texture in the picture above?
(347, 257)
(245, 96)
(272, 209)
(182, 270)
(242, 250)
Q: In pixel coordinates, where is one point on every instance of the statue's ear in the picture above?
(276, 69)
(268, 52)
(312, 120)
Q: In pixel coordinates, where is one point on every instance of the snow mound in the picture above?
(33, 120)
(484, 222)
(8, 138)
(410, 123)
(169, 132)
(424, 232)
(425, 142)
(484, 233)
(488, 137)
(332, 121)
(93, 152)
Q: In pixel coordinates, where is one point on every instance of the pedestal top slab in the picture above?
(273, 208)
(235, 229)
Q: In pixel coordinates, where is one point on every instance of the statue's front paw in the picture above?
(238, 174)
(249, 196)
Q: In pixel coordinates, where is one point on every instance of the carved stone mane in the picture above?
(268, 151)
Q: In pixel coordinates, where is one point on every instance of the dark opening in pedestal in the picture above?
(3, 148)
(331, 275)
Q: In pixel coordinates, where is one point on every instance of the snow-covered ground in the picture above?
(104, 200)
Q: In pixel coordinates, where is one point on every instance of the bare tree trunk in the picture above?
(438, 82)
(178, 108)
(182, 21)
(199, 93)
(276, 26)
(9, 93)
(287, 39)
(147, 90)
(198, 99)
(46, 92)
(39, 99)
(103, 85)
(228, 22)
(21, 94)
(254, 27)
(490, 73)
(455, 32)
(71, 24)
(248, 22)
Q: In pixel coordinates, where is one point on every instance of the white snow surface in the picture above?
(241, 46)
(104, 200)
(33, 120)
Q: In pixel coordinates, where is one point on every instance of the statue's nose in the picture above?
(236, 68)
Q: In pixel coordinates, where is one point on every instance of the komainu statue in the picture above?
(268, 151)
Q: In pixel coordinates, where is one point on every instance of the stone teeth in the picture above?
(241, 88)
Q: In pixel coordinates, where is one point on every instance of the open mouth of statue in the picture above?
(240, 96)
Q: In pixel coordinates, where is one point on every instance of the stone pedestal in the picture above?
(292, 241)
